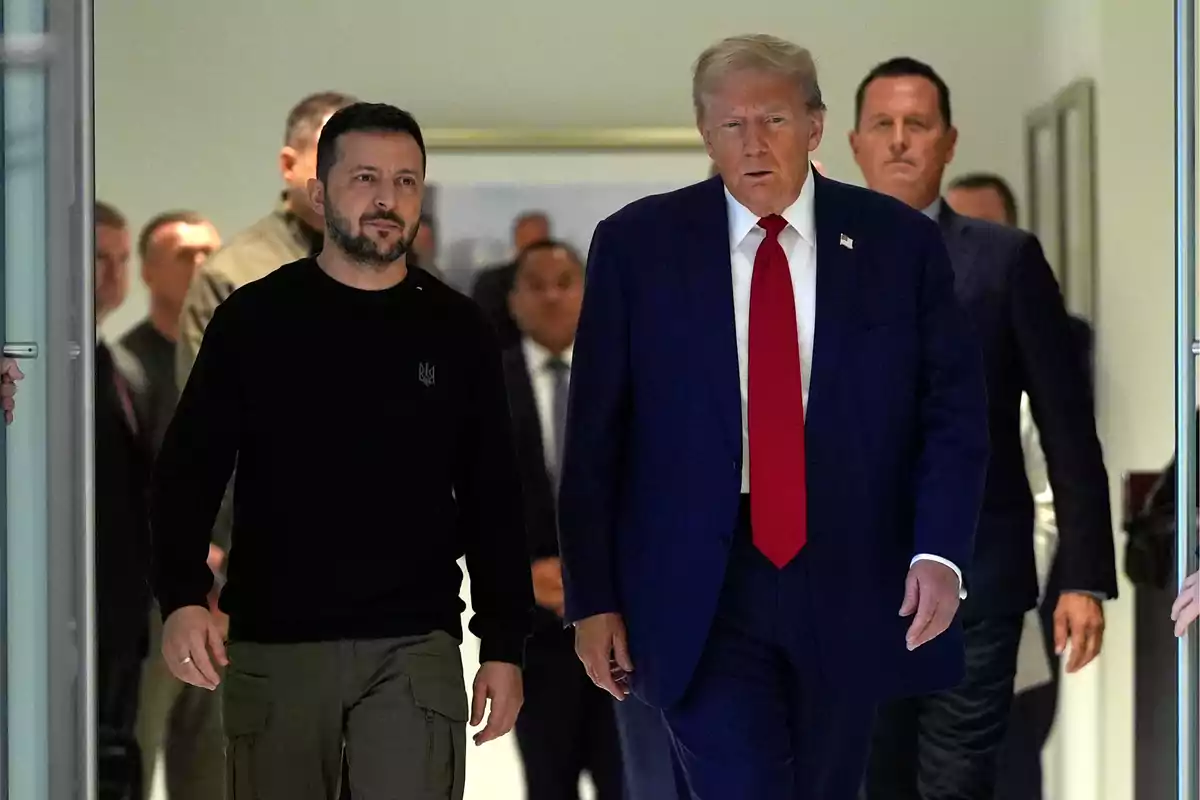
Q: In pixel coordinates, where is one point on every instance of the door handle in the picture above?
(20, 350)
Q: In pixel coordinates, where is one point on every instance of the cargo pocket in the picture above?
(442, 699)
(247, 709)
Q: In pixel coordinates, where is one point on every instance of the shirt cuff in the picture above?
(962, 590)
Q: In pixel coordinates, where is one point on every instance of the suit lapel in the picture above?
(837, 277)
(524, 407)
(960, 244)
(709, 277)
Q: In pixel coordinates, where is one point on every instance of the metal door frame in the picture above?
(66, 365)
(1186, 349)
(71, 331)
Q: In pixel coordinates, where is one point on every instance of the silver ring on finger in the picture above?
(186, 660)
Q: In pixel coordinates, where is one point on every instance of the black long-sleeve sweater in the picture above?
(373, 446)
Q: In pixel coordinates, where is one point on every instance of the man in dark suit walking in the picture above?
(566, 726)
(776, 449)
(122, 559)
(1019, 771)
(945, 744)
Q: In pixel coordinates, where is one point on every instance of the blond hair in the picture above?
(759, 52)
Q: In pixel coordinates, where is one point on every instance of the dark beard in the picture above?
(361, 248)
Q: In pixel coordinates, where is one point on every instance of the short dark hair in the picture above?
(988, 180)
(107, 215)
(305, 118)
(904, 67)
(161, 221)
(364, 117)
(530, 216)
(546, 244)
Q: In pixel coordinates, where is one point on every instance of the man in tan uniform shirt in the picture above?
(291, 232)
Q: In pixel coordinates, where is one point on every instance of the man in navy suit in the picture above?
(945, 744)
(776, 449)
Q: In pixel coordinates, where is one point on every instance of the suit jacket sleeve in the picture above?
(596, 420)
(953, 446)
(194, 467)
(491, 521)
(1060, 397)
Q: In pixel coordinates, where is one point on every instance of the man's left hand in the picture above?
(931, 591)
(10, 373)
(502, 684)
(1079, 618)
(216, 562)
(216, 559)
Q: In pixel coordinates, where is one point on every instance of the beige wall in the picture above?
(1127, 49)
(191, 97)
(1135, 377)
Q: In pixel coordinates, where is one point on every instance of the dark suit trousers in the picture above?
(945, 746)
(1020, 773)
(652, 769)
(566, 726)
(756, 722)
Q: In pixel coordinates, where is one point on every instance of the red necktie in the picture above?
(778, 495)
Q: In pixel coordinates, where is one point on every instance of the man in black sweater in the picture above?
(372, 494)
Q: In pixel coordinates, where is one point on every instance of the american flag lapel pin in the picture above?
(846, 242)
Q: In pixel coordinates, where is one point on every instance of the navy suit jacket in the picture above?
(1030, 345)
(896, 436)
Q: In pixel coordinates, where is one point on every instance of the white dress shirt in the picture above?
(1033, 667)
(541, 378)
(799, 243)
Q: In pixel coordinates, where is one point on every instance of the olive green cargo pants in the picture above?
(397, 706)
(185, 723)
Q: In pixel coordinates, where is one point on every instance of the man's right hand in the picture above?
(188, 636)
(601, 645)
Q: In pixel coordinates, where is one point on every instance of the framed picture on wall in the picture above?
(1060, 157)
(482, 180)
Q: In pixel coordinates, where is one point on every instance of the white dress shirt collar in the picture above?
(537, 356)
(800, 215)
(934, 209)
